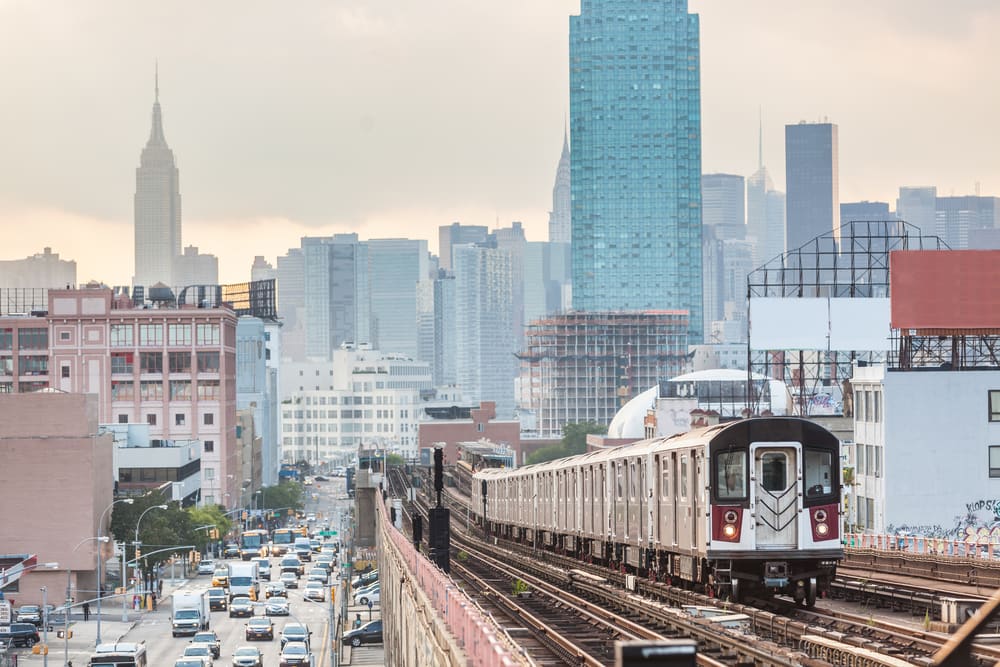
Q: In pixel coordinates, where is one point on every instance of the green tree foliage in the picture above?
(394, 460)
(285, 494)
(574, 441)
(209, 515)
(169, 529)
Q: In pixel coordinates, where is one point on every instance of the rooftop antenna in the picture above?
(760, 137)
(156, 79)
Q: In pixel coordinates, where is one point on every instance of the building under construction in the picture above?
(584, 366)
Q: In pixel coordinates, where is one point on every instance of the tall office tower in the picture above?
(546, 265)
(722, 205)
(457, 234)
(960, 218)
(425, 321)
(195, 268)
(512, 240)
(291, 298)
(336, 293)
(559, 216)
(811, 180)
(864, 211)
(445, 331)
(484, 349)
(395, 268)
(157, 207)
(42, 270)
(635, 128)
(765, 213)
(917, 206)
(261, 269)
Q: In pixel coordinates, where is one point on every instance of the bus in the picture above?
(282, 540)
(253, 543)
(121, 654)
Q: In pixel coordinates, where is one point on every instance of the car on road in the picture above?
(315, 591)
(275, 588)
(29, 613)
(231, 550)
(294, 632)
(248, 656)
(208, 637)
(277, 606)
(294, 653)
(240, 606)
(206, 566)
(263, 568)
(319, 574)
(372, 596)
(193, 661)
(260, 628)
(199, 651)
(293, 564)
(289, 580)
(19, 634)
(220, 577)
(218, 600)
(310, 517)
(369, 633)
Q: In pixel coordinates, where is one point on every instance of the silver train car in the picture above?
(749, 507)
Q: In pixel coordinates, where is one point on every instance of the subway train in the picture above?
(743, 508)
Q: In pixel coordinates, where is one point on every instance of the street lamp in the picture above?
(100, 562)
(136, 543)
(69, 595)
(45, 615)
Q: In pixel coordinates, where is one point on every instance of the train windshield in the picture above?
(774, 471)
(731, 475)
(818, 472)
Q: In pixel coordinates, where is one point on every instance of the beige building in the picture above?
(56, 481)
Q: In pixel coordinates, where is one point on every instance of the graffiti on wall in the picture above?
(979, 523)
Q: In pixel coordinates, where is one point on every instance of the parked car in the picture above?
(294, 653)
(218, 600)
(315, 591)
(29, 613)
(248, 656)
(372, 596)
(240, 606)
(364, 579)
(260, 628)
(294, 632)
(277, 606)
(208, 637)
(289, 580)
(369, 633)
(19, 634)
(200, 651)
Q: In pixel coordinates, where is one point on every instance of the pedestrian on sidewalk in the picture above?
(159, 587)
(86, 611)
(153, 598)
(358, 622)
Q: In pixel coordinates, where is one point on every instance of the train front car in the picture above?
(775, 509)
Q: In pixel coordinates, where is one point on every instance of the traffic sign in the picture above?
(4, 612)
(328, 533)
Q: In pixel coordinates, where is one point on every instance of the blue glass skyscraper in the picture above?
(635, 129)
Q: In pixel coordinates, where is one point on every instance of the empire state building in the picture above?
(157, 208)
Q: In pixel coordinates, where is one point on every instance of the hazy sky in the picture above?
(392, 117)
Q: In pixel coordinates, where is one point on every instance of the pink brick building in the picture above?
(172, 368)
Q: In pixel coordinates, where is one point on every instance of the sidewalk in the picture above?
(80, 647)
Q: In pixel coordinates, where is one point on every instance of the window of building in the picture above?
(179, 419)
(33, 365)
(64, 372)
(151, 391)
(877, 406)
(207, 334)
(122, 391)
(6, 339)
(150, 335)
(208, 390)
(209, 418)
(995, 406)
(994, 461)
(33, 339)
(151, 362)
(6, 366)
(178, 334)
(151, 419)
(480, 427)
(122, 419)
(122, 362)
(180, 390)
(121, 335)
(209, 473)
(209, 446)
(208, 362)
(64, 335)
(180, 362)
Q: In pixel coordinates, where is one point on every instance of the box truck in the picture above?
(190, 612)
(244, 579)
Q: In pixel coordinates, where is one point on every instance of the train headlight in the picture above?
(820, 516)
(822, 529)
(729, 531)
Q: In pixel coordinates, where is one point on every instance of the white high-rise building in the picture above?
(157, 208)
(395, 268)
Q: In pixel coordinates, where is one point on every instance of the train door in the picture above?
(659, 497)
(643, 503)
(618, 529)
(774, 494)
(674, 517)
(683, 499)
(699, 499)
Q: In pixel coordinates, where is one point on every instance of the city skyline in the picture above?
(272, 152)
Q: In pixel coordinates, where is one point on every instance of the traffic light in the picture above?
(138, 553)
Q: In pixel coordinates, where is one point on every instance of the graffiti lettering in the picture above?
(980, 505)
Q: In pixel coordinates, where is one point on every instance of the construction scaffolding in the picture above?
(856, 267)
(581, 366)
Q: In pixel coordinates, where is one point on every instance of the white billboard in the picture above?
(821, 323)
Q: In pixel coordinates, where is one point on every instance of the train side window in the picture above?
(665, 479)
(684, 477)
(731, 475)
(818, 472)
(618, 479)
(774, 471)
(632, 479)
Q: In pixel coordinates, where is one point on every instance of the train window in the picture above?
(618, 478)
(818, 472)
(731, 475)
(684, 477)
(632, 481)
(665, 480)
(774, 471)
